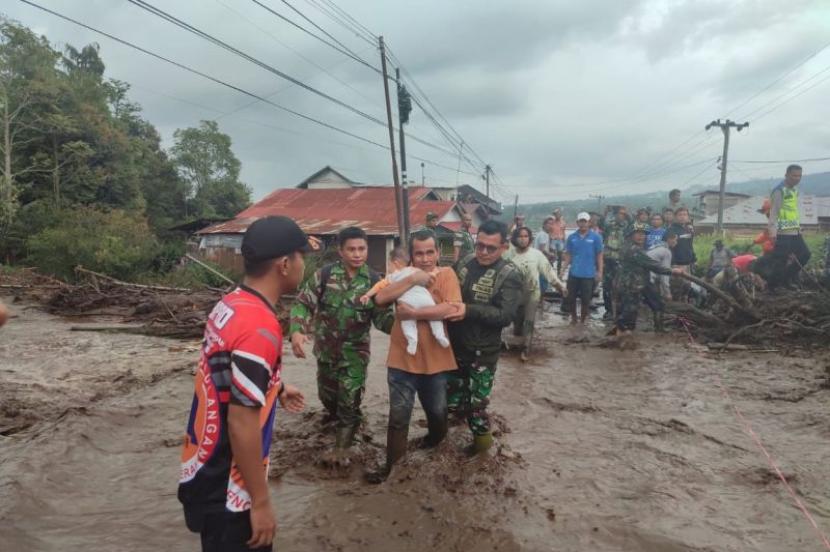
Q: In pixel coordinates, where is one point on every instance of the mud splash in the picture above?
(599, 449)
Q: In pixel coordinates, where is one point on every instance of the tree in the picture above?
(210, 170)
(27, 96)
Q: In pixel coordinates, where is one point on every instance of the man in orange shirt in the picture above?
(424, 372)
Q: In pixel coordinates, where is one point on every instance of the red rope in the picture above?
(747, 427)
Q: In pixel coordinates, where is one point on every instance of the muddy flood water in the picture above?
(598, 450)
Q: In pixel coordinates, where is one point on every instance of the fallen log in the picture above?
(210, 269)
(107, 329)
(751, 314)
(112, 280)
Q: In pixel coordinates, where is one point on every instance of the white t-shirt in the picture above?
(542, 242)
(532, 263)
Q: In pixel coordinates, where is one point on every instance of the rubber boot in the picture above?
(659, 327)
(437, 432)
(344, 437)
(339, 456)
(395, 450)
(482, 443)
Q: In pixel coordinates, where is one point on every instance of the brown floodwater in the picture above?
(598, 450)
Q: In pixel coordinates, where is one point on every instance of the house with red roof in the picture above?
(325, 203)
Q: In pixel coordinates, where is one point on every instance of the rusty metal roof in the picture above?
(327, 211)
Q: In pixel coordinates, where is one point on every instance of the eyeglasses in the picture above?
(488, 248)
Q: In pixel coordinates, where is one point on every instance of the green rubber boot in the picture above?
(482, 443)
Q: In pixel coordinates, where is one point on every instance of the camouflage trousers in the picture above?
(630, 300)
(340, 386)
(468, 391)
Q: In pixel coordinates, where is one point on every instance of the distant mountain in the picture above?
(813, 184)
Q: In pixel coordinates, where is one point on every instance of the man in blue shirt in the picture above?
(583, 255)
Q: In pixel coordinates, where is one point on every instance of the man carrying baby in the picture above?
(416, 297)
(328, 308)
(422, 373)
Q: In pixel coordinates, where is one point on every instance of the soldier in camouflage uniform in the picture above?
(614, 234)
(331, 299)
(463, 241)
(634, 283)
(491, 289)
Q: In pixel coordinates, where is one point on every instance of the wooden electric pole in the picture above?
(725, 127)
(599, 198)
(403, 118)
(395, 179)
(487, 170)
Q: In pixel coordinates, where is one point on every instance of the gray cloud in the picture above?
(561, 97)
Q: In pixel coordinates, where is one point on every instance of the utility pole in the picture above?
(725, 126)
(599, 198)
(458, 170)
(423, 179)
(516, 207)
(396, 180)
(404, 108)
(487, 170)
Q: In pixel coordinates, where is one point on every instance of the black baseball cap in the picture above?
(272, 237)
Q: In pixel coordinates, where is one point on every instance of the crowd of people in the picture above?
(445, 333)
(646, 258)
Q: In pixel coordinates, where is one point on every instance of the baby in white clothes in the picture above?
(416, 297)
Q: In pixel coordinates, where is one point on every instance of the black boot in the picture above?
(437, 432)
(395, 450)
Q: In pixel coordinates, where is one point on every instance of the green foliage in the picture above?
(207, 164)
(87, 180)
(743, 244)
(114, 242)
(190, 276)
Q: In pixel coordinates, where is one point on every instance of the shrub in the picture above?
(114, 242)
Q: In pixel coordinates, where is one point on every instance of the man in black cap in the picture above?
(223, 481)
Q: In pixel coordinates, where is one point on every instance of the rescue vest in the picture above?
(788, 217)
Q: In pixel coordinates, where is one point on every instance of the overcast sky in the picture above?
(564, 98)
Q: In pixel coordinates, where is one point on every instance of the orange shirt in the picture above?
(430, 357)
(767, 245)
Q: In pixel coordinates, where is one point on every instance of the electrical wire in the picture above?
(324, 41)
(222, 44)
(203, 75)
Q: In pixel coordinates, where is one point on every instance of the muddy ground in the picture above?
(599, 450)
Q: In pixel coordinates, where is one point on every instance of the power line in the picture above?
(793, 89)
(791, 98)
(295, 51)
(776, 161)
(356, 24)
(203, 75)
(210, 38)
(206, 36)
(321, 39)
(777, 80)
(319, 28)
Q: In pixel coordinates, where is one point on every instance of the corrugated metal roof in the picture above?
(746, 212)
(327, 211)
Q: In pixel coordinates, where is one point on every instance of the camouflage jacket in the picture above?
(614, 238)
(492, 296)
(636, 268)
(341, 323)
